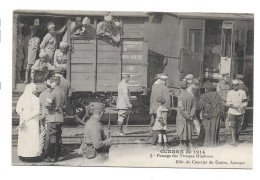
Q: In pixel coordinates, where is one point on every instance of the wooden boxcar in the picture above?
(206, 45)
(95, 64)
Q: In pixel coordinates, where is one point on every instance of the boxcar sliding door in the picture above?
(192, 56)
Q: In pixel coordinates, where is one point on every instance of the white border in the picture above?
(46, 173)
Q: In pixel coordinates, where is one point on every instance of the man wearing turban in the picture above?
(49, 41)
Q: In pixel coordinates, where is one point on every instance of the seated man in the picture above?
(95, 141)
(41, 65)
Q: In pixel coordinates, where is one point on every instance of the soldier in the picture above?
(64, 85)
(55, 118)
(41, 65)
(74, 27)
(123, 102)
(20, 55)
(49, 41)
(60, 56)
(43, 112)
(237, 102)
(185, 114)
(95, 140)
(158, 90)
(222, 88)
(242, 86)
(33, 47)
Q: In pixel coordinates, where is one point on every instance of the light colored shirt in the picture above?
(60, 58)
(49, 42)
(238, 99)
(123, 100)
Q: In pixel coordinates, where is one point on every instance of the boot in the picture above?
(26, 77)
(50, 154)
(237, 135)
(18, 76)
(120, 128)
(233, 136)
(32, 76)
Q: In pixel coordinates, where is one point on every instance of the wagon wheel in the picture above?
(80, 110)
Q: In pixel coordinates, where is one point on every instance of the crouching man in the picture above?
(95, 140)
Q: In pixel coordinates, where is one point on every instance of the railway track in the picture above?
(135, 134)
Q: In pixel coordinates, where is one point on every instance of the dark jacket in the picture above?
(55, 104)
(159, 90)
(211, 105)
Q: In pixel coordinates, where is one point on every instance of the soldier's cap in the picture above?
(86, 20)
(108, 17)
(96, 106)
(33, 28)
(183, 84)
(195, 81)
(189, 76)
(58, 70)
(209, 86)
(42, 54)
(235, 82)
(55, 79)
(163, 77)
(225, 75)
(126, 74)
(157, 76)
(240, 76)
(161, 100)
(50, 25)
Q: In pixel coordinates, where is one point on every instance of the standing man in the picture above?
(46, 94)
(64, 83)
(159, 89)
(55, 118)
(95, 141)
(212, 109)
(185, 113)
(33, 46)
(242, 86)
(237, 102)
(222, 88)
(123, 102)
(20, 55)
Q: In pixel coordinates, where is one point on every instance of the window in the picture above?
(195, 40)
(250, 43)
(226, 42)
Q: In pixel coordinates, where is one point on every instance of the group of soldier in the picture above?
(33, 55)
(226, 100)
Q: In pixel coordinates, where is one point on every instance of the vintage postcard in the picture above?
(132, 89)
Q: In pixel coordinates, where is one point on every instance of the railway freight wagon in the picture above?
(95, 63)
(206, 45)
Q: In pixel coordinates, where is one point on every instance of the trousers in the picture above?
(53, 140)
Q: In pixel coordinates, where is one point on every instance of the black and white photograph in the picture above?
(132, 89)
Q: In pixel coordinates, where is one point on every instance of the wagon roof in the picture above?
(225, 16)
(80, 13)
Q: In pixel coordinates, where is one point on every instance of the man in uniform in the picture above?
(95, 140)
(158, 90)
(55, 118)
(123, 102)
(43, 112)
(237, 102)
(242, 86)
(64, 83)
(222, 88)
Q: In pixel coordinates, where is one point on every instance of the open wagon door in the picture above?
(227, 48)
(192, 56)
